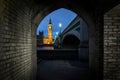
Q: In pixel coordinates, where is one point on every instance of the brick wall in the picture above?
(15, 41)
(112, 44)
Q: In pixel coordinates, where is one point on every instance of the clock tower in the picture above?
(50, 32)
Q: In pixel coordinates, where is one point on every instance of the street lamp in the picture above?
(60, 25)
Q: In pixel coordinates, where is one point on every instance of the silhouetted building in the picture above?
(40, 38)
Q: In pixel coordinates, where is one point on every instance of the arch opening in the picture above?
(70, 42)
(44, 34)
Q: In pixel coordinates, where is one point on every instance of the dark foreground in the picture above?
(62, 70)
(61, 65)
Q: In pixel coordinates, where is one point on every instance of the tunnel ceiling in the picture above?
(87, 4)
(43, 7)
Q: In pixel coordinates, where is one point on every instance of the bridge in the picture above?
(75, 36)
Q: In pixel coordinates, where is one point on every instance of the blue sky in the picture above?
(62, 15)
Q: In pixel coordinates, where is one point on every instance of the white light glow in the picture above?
(57, 33)
(60, 24)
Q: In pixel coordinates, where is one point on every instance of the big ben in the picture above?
(50, 32)
(48, 40)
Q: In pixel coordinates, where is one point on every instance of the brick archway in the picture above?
(19, 20)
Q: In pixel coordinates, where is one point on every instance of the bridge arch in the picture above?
(70, 41)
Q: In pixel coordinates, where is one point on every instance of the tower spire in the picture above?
(50, 22)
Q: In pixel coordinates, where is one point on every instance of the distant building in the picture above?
(41, 39)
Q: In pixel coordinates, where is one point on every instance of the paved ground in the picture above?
(62, 70)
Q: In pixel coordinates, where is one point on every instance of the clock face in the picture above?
(49, 27)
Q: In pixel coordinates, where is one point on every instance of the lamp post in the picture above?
(60, 25)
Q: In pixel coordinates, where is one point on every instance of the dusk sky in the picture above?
(62, 15)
